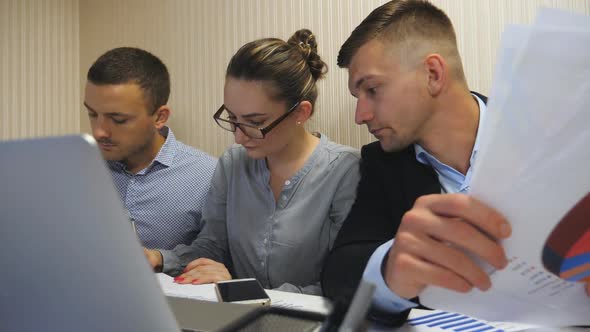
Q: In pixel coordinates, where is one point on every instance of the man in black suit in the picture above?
(406, 73)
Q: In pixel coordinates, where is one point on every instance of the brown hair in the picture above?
(414, 27)
(133, 65)
(292, 68)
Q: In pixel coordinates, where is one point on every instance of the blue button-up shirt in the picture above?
(165, 199)
(451, 181)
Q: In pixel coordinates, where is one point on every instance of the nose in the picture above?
(363, 112)
(100, 129)
(240, 137)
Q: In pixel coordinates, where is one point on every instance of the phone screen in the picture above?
(241, 290)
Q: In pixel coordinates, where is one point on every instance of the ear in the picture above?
(161, 116)
(303, 112)
(437, 72)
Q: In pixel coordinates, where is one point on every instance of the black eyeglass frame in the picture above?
(235, 124)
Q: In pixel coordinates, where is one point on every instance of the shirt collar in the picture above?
(165, 156)
(168, 150)
(308, 165)
(426, 158)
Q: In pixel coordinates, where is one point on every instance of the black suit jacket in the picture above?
(390, 184)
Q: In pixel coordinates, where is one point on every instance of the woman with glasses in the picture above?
(277, 199)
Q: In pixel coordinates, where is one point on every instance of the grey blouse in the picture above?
(281, 243)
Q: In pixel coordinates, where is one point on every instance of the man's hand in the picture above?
(155, 259)
(430, 243)
(203, 271)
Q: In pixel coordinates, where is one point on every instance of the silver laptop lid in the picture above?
(70, 260)
(195, 315)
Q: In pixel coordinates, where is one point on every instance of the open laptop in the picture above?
(70, 260)
(194, 315)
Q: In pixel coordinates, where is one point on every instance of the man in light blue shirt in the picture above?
(451, 181)
(406, 73)
(162, 182)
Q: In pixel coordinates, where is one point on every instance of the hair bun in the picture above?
(305, 42)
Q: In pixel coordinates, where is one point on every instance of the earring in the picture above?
(298, 122)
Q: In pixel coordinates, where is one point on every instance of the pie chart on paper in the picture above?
(567, 250)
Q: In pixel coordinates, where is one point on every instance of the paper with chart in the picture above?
(438, 320)
(534, 167)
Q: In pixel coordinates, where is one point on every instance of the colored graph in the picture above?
(429, 321)
(454, 321)
(567, 249)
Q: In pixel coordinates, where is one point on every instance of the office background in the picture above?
(46, 47)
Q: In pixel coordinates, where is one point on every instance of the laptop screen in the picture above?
(70, 259)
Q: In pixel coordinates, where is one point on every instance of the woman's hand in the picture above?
(203, 271)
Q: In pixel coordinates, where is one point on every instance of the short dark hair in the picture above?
(291, 68)
(133, 65)
(399, 21)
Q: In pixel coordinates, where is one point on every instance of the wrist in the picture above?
(159, 261)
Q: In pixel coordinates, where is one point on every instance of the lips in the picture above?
(375, 132)
(106, 146)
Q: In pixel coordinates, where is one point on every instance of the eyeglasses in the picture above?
(223, 119)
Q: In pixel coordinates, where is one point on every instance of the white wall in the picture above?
(39, 68)
(46, 48)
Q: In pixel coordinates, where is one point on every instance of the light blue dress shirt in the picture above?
(165, 199)
(452, 181)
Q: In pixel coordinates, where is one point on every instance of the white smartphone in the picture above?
(247, 291)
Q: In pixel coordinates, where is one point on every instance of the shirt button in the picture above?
(284, 198)
(262, 263)
(265, 241)
(287, 183)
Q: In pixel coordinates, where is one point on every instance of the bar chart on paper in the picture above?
(426, 320)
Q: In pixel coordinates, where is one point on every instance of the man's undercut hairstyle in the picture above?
(413, 28)
(125, 65)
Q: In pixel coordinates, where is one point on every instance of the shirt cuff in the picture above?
(170, 263)
(384, 299)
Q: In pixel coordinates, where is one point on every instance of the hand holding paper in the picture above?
(421, 254)
(533, 168)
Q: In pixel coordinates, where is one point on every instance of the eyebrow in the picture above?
(109, 114)
(363, 80)
(252, 115)
(359, 83)
(246, 116)
(88, 107)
